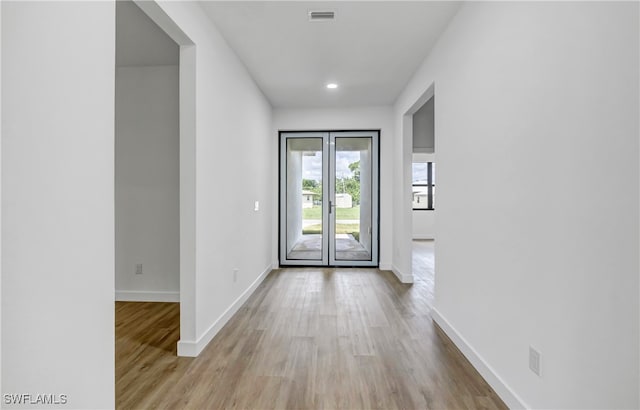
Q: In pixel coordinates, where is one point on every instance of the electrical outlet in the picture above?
(139, 269)
(235, 275)
(534, 360)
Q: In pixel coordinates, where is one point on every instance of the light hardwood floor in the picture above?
(307, 338)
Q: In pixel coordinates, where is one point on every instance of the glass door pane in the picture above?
(329, 198)
(302, 175)
(353, 201)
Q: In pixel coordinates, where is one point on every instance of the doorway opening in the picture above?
(423, 187)
(155, 163)
(329, 198)
(147, 159)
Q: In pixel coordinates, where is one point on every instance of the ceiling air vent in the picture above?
(322, 15)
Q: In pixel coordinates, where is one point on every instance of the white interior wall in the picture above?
(537, 135)
(232, 167)
(140, 41)
(360, 118)
(1, 390)
(423, 128)
(57, 200)
(187, 180)
(402, 197)
(424, 224)
(147, 183)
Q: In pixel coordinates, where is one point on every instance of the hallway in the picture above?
(307, 338)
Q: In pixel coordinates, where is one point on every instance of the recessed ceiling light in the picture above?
(332, 86)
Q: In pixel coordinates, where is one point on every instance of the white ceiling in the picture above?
(139, 41)
(371, 49)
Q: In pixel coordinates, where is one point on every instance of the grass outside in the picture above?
(353, 229)
(341, 213)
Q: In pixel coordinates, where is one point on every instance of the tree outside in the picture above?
(351, 184)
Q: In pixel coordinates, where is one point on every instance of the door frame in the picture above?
(328, 257)
(187, 345)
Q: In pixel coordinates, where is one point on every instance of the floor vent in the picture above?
(326, 15)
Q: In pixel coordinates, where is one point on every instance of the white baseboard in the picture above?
(385, 266)
(187, 348)
(507, 395)
(403, 277)
(424, 237)
(193, 349)
(147, 296)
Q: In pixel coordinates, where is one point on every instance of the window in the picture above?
(424, 186)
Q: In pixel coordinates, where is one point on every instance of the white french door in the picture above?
(329, 198)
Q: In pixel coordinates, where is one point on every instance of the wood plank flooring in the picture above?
(306, 339)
